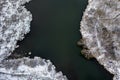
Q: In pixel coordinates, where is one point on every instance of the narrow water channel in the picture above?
(54, 34)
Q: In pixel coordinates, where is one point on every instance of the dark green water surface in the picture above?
(54, 34)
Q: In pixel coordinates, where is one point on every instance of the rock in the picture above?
(100, 29)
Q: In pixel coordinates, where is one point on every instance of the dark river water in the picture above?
(54, 35)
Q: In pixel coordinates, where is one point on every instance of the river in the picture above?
(54, 35)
